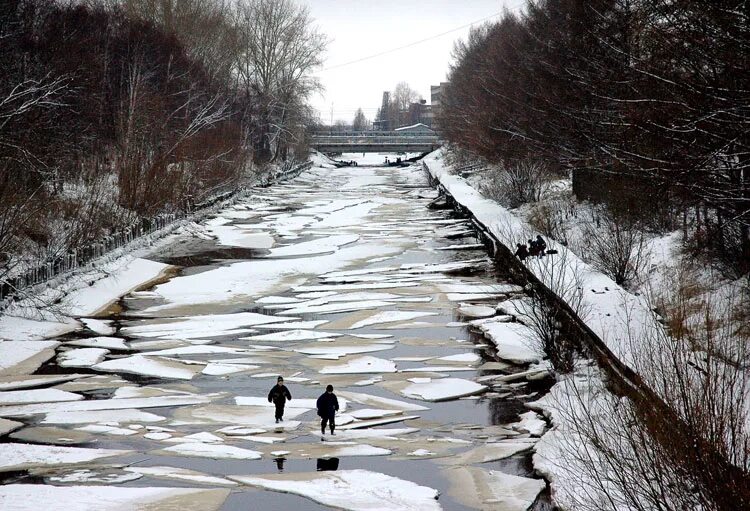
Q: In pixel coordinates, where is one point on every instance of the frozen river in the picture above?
(340, 276)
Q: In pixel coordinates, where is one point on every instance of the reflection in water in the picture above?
(328, 464)
(280, 463)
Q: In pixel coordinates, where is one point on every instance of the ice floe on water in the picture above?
(373, 413)
(235, 236)
(8, 426)
(476, 311)
(218, 369)
(37, 380)
(443, 389)
(391, 317)
(110, 343)
(24, 357)
(213, 451)
(341, 351)
(81, 357)
(355, 490)
(251, 279)
(197, 327)
(513, 341)
(491, 451)
(51, 435)
(24, 456)
(254, 416)
(314, 247)
(361, 365)
(100, 404)
(99, 326)
(92, 476)
(20, 397)
(492, 489)
(377, 401)
(337, 307)
(291, 335)
(531, 423)
(371, 423)
(104, 429)
(341, 451)
(468, 357)
(293, 325)
(149, 366)
(180, 474)
(84, 417)
(19, 497)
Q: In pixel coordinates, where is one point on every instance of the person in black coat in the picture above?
(278, 396)
(521, 251)
(328, 405)
(541, 245)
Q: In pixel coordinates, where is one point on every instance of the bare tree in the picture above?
(203, 26)
(516, 183)
(278, 48)
(403, 96)
(360, 122)
(685, 446)
(615, 245)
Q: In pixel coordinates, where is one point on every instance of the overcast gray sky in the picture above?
(360, 28)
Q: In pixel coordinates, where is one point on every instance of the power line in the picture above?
(392, 50)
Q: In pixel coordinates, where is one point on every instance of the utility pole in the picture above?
(331, 117)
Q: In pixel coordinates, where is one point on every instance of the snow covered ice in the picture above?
(342, 277)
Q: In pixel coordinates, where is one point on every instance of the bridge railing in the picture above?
(371, 134)
(327, 140)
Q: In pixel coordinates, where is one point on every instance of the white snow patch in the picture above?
(24, 357)
(180, 474)
(291, 335)
(22, 456)
(513, 341)
(81, 357)
(110, 343)
(99, 326)
(148, 366)
(21, 397)
(223, 452)
(443, 389)
(356, 490)
(124, 415)
(197, 327)
(362, 365)
(21, 497)
(390, 317)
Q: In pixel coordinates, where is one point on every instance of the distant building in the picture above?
(416, 128)
(436, 98)
(420, 112)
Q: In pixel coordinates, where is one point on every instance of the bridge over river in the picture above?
(375, 142)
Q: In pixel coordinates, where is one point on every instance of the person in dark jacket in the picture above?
(327, 405)
(533, 249)
(521, 251)
(278, 396)
(541, 245)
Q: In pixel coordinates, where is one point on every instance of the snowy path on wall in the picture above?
(342, 277)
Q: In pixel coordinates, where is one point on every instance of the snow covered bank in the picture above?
(90, 289)
(614, 315)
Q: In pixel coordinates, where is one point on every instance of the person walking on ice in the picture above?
(328, 405)
(278, 396)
